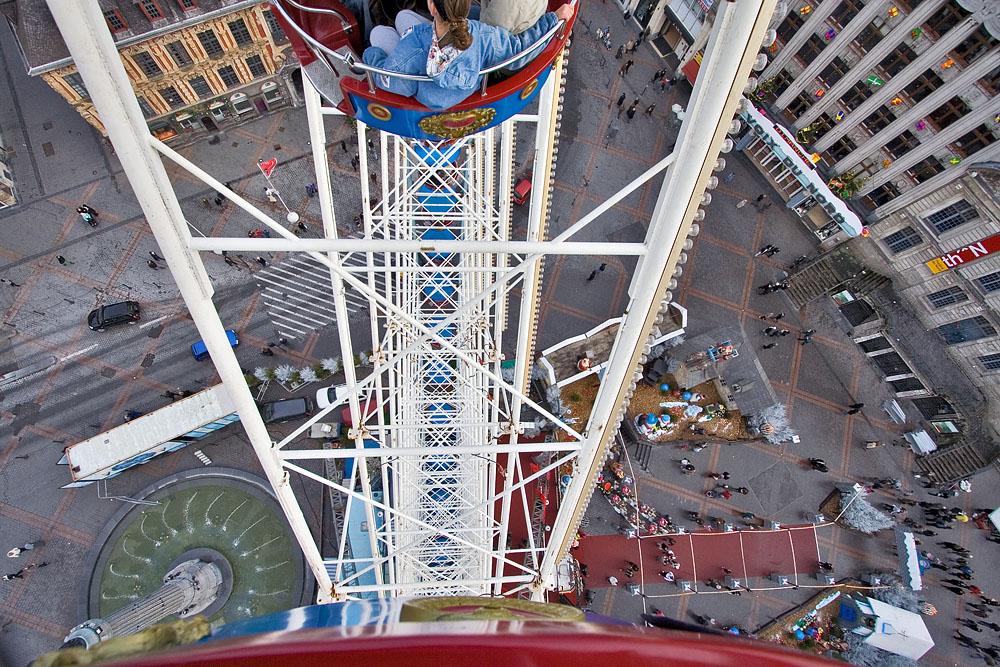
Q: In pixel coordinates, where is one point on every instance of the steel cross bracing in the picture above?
(443, 485)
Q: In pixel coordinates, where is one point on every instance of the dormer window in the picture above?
(115, 20)
(151, 9)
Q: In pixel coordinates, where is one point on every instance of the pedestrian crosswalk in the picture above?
(298, 296)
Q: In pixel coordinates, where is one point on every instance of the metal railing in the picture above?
(359, 66)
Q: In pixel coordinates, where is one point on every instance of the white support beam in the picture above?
(86, 35)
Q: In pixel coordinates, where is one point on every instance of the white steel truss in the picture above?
(442, 492)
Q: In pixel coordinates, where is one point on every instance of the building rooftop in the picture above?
(41, 45)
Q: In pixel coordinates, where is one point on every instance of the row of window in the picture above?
(943, 220)
(151, 8)
(955, 294)
(201, 87)
(209, 41)
(892, 364)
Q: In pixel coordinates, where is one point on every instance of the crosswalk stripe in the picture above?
(297, 292)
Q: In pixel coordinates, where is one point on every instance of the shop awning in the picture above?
(690, 70)
(895, 412)
(909, 561)
(795, 157)
(920, 442)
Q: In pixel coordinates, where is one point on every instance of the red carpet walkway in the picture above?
(702, 555)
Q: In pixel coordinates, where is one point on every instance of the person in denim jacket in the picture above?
(452, 50)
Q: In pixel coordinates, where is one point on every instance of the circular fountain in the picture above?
(220, 515)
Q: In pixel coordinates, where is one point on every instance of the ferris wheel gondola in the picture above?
(327, 40)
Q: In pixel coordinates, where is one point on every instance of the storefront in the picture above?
(792, 171)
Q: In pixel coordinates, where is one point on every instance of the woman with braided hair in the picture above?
(451, 49)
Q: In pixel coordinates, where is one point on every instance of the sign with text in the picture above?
(968, 253)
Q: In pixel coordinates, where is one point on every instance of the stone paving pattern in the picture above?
(59, 162)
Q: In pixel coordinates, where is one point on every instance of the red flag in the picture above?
(268, 166)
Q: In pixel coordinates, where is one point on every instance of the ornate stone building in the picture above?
(197, 66)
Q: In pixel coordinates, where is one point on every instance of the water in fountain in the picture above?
(234, 522)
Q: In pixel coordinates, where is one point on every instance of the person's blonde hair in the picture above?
(455, 13)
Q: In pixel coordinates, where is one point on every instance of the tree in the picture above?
(861, 515)
(263, 374)
(284, 372)
(895, 593)
(332, 365)
(776, 417)
(308, 374)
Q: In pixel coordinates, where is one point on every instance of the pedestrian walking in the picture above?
(613, 580)
(759, 199)
(218, 201)
(309, 191)
(620, 52)
(770, 331)
(852, 411)
(626, 16)
(620, 102)
(7, 281)
(730, 176)
(631, 111)
(772, 251)
(783, 333)
(12, 576)
(61, 259)
(17, 551)
(263, 262)
(856, 406)
(768, 346)
(808, 332)
(805, 339)
(593, 274)
(151, 264)
(205, 202)
(343, 146)
(155, 256)
(355, 163)
(628, 65)
(741, 203)
(621, 70)
(764, 249)
(663, 85)
(650, 109)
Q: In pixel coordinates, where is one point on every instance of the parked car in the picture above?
(123, 312)
(328, 395)
(275, 412)
(200, 352)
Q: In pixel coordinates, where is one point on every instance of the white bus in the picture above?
(165, 430)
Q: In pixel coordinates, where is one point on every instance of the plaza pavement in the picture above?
(816, 381)
(79, 397)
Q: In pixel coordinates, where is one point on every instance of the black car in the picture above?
(275, 412)
(115, 313)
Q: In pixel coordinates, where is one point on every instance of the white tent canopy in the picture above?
(899, 631)
(920, 442)
(909, 562)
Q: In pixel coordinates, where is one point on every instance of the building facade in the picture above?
(197, 66)
(945, 248)
(897, 98)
